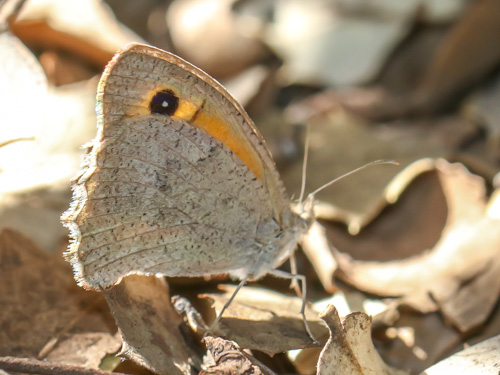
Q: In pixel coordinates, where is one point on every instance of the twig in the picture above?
(34, 366)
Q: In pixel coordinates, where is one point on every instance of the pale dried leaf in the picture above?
(332, 48)
(84, 349)
(35, 174)
(454, 272)
(52, 157)
(20, 73)
(349, 349)
(383, 312)
(315, 245)
(265, 320)
(480, 359)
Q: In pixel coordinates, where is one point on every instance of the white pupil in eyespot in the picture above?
(164, 104)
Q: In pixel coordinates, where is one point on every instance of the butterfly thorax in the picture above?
(274, 243)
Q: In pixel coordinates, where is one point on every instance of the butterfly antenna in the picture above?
(376, 162)
(304, 163)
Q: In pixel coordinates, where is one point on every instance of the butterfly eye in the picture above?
(164, 102)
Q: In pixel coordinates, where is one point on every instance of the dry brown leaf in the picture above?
(458, 272)
(62, 69)
(480, 359)
(84, 349)
(84, 28)
(264, 320)
(444, 71)
(349, 349)
(489, 329)
(226, 357)
(41, 305)
(483, 109)
(466, 56)
(150, 325)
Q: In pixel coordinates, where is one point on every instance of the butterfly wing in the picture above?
(178, 181)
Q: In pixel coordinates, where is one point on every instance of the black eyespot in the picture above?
(164, 103)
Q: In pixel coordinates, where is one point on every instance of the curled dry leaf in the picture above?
(349, 349)
(316, 247)
(480, 359)
(466, 56)
(226, 357)
(266, 321)
(150, 325)
(305, 361)
(83, 28)
(462, 267)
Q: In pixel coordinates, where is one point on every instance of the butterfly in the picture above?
(177, 182)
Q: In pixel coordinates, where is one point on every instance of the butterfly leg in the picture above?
(226, 305)
(293, 270)
(302, 278)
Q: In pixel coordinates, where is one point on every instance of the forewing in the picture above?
(170, 195)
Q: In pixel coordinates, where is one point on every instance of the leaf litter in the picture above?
(426, 247)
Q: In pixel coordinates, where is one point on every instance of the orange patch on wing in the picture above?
(221, 130)
(186, 110)
(213, 125)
